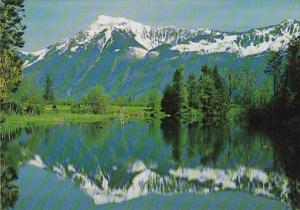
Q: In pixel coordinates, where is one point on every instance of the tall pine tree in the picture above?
(193, 101)
(174, 101)
(49, 93)
(290, 91)
(274, 69)
(180, 91)
(11, 39)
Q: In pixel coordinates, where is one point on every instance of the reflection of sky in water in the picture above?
(117, 162)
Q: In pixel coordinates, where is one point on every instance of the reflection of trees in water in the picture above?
(235, 146)
(9, 189)
(12, 154)
(207, 141)
(286, 144)
(171, 133)
(10, 135)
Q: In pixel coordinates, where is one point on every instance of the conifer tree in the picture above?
(174, 101)
(193, 101)
(208, 97)
(221, 89)
(180, 91)
(49, 93)
(290, 91)
(168, 102)
(11, 39)
(274, 69)
(233, 81)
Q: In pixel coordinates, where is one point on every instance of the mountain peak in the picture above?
(290, 21)
(200, 41)
(108, 20)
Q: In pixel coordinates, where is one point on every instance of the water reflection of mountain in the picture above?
(115, 159)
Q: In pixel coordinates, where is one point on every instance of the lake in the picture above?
(151, 165)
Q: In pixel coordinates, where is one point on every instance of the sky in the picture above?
(48, 21)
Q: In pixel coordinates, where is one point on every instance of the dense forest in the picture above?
(210, 97)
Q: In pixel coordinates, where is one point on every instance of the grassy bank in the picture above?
(63, 113)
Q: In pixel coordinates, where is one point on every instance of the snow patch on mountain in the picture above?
(74, 49)
(63, 45)
(227, 44)
(39, 54)
(201, 41)
(181, 39)
(137, 52)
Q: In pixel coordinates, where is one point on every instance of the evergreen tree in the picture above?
(49, 93)
(174, 101)
(168, 102)
(219, 81)
(206, 70)
(263, 95)
(247, 90)
(193, 101)
(11, 32)
(233, 81)
(209, 98)
(180, 92)
(221, 89)
(290, 94)
(11, 39)
(274, 69)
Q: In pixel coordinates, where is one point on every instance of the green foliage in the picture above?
(285, 107)
(212, 95)
(96, 100)
(174, 101)
(247, 90)
(154, 103)
(11, 32)
(180, 92)
(263, 95)
(27, 99)
(168, 101)
(274, 69)
(207, 97)
(49, 92)
(192, 91)
(290, 91)
(232, 82)
(79, 108)
(8, 176)
(9, 190)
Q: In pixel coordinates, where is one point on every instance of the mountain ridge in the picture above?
(126, 57)
(103, 22)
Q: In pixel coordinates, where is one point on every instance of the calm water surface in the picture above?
(93, 165)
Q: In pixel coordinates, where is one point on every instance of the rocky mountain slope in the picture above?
(129, 58)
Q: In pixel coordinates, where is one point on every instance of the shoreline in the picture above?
(63, 114)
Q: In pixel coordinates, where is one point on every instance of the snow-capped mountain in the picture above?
(113, 43)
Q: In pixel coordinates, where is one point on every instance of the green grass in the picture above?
(63, 113)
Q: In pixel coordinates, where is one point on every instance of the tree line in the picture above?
(202, 98)
(284, 104)
(210, 97)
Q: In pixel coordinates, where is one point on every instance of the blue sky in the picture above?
(51, 20)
